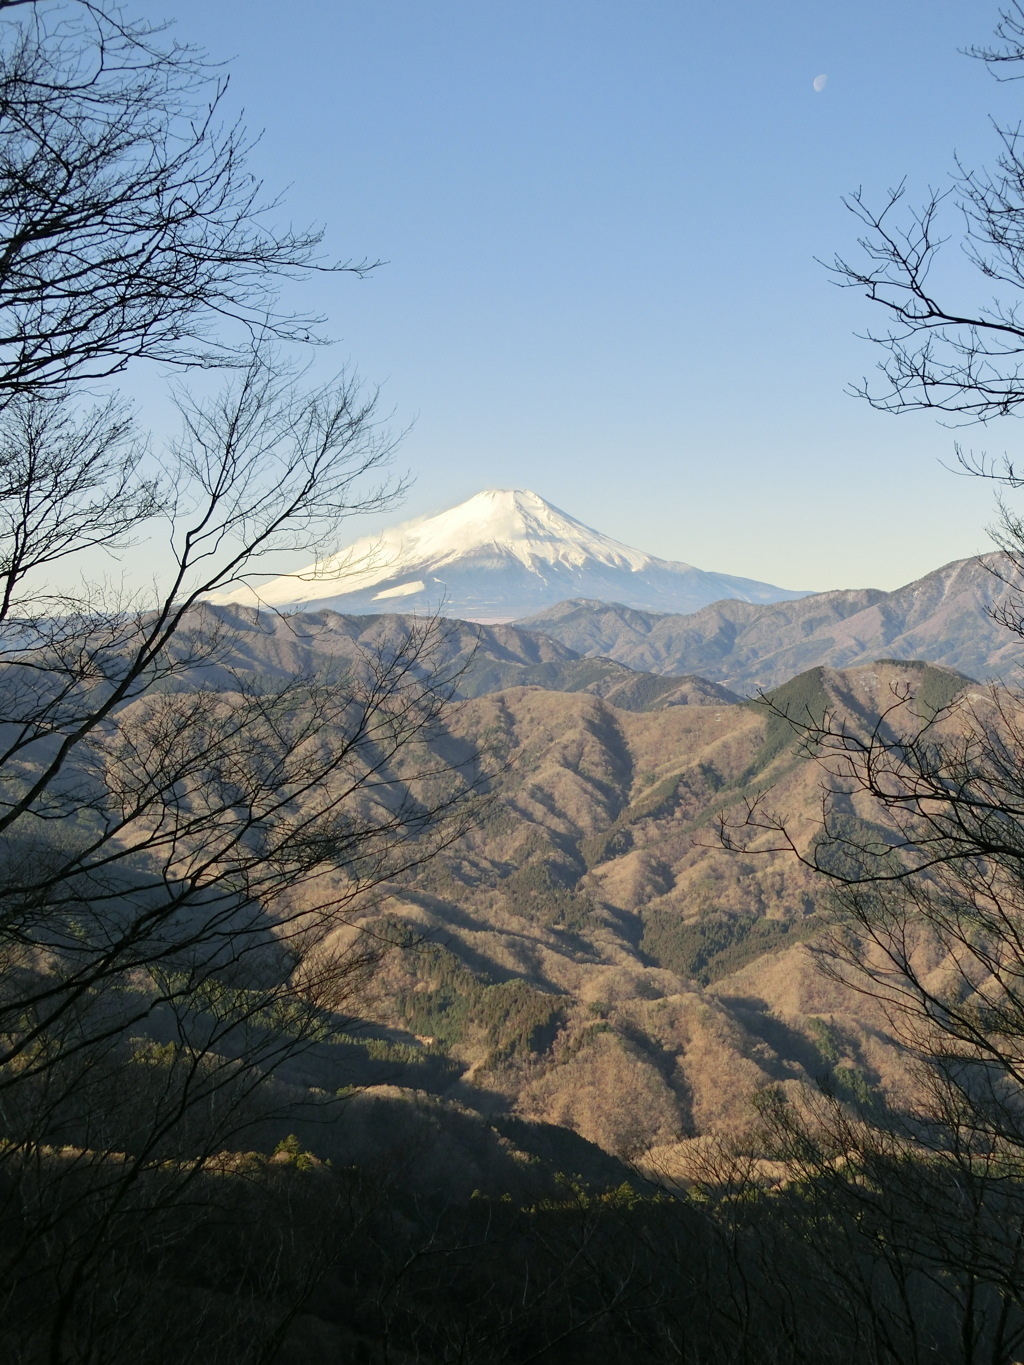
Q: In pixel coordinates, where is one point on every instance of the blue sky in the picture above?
(600, 222)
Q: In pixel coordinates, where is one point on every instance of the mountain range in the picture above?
(951, 616)
(648, 660)
(481, 658)
(588, 956)
(504, 553)
(664, 980)
(508, 556)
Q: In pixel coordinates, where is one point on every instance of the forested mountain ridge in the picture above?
(572, 1004)
(644, 983)
(945, 618)
(480, 658)
(950, 617)
(587, 956)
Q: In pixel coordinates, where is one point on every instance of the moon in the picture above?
(819, 83)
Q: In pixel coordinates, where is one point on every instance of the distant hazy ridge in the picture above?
(944, 618)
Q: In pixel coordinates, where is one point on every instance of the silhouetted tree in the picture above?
(185, 845)
(944, 357)
(130, 223)
(922, 822)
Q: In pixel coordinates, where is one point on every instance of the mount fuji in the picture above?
(503, 554)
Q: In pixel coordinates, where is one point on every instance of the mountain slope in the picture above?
(482, 658)
(944, 618)
(588, 956)
(503, 553)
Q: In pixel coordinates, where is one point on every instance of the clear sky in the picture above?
(600, 221)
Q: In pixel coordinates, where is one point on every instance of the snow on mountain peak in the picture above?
(499, 524)
(504, 552)
(518, 523)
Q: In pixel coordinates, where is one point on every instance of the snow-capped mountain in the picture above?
(503, 554)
